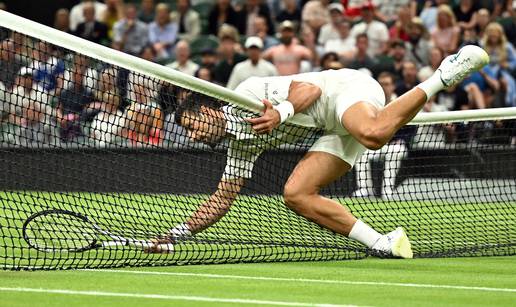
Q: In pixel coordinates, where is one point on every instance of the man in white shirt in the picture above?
(253, 66)
(347, 104)
(183, 62)
(376, 31)
(330, 30)
(344, 45)
(77, 16)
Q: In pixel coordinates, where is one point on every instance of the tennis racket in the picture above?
(60, 230)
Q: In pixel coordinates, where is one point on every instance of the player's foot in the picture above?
(364, 192)
(395, 243)
(160, 246)
(454, 68)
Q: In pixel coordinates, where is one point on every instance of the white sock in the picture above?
(180, 231)
(431, 85)
(364, 234)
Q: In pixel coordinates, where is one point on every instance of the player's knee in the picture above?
(294, 198)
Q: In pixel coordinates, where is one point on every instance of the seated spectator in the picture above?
(466, 14)
(114, 12)
(209, 58)
(204, 73)
(91, 29)
(262, 30)
(148, 54)
(188, 20)
(362, 58)
(12, 58)
(435, 59)
(90, 74)
(163, 32)
(183, 63)
(290, 12)
(400, 27)
(393, 62)
(223, 13)
(228, 37)
(376, 31)
(72, 102)
(110, 121)
(308, 39)
(503, 61)
(446, 34)
(483, 19)
(418, 45)
(392, 153)
(254, 66)
(287, 56)
(129, 34)
(23, 93)
(315, 14)
(48, 69)
(77, 13)
(344, 45)
(62, 21)
(388, 10)
(249, 12)
(147, 11)
(331, 29)
(429, 13)
(144, 120)
(409, 78)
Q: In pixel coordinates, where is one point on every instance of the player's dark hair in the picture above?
(192, 104)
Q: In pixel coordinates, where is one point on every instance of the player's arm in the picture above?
(301, 95)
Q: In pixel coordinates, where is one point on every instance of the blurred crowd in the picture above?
(51, 95)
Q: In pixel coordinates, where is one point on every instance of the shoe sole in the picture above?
(402, 247)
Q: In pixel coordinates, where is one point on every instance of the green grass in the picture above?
(258, 229)
(323, 283)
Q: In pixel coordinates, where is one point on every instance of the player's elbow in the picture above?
(373, 139)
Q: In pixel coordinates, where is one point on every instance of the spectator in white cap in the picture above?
(330, 30)
(254, 66)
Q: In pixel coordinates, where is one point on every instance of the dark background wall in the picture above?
(38, 10)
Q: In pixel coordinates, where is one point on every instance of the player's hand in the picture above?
(269, 119)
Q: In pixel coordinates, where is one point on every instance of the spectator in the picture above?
(290, 12)
(223, 13)
(466, 14)
(429, 13)
(183, 63)
(392, 154)
(110, 121)
(12, 58)
(446, 33)
(388, 10)
(144, 120)
(228, 37)
(188, 21)
(344, 45)
(77, 13)
(147, 11)
(399, 29)
(163, 32)
(287, 56)
(435, 59)
(209, 58)
(148, 53)
(48, 69)
(483, 19)
(409, 78)
(308, 39)
(91, 29)
(204, 73)
(254, 66)
(62, 21)
(251, 10)
(376, 31)
(503, 60)
(397, 57)
(73, 101)
(262, 30)
(129, 34)
(327, 61)
(315, 14)
(331, 29)
(362, 59)
(418, 45)
(114, 12)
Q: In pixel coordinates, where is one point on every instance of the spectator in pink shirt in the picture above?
(287, 56)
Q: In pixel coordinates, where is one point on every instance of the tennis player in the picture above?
(349, 106)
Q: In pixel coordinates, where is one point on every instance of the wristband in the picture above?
(285, 109)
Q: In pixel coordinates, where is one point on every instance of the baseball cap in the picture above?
(287, 24)
(254, 41)
(336, 6)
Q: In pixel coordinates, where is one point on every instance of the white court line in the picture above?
(304, 280)
(169, 297)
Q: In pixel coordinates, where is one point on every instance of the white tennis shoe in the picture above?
(395, 243)
(454, 68)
